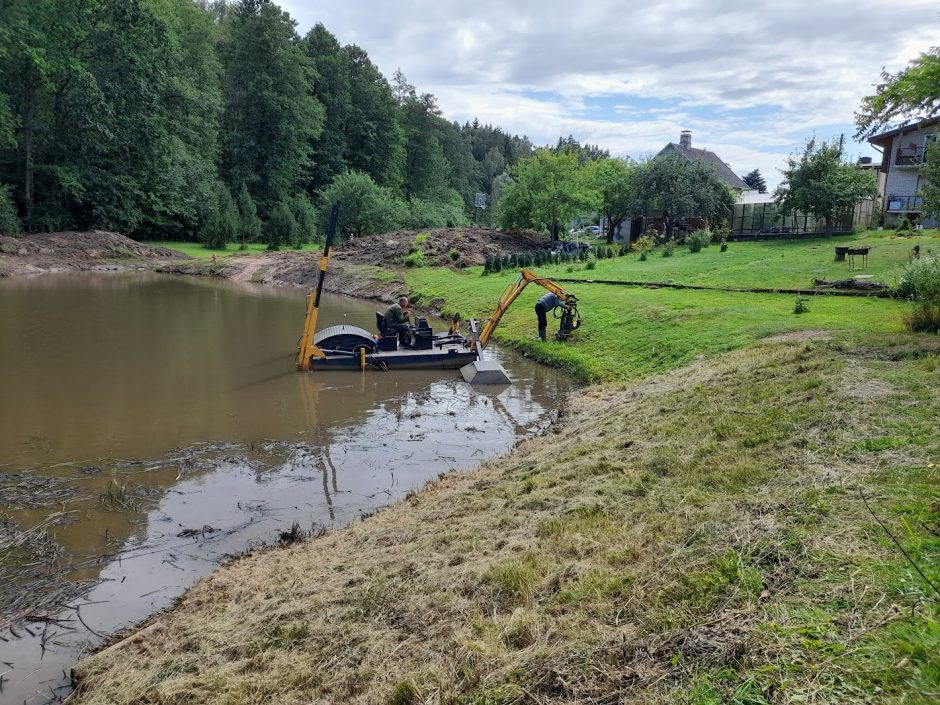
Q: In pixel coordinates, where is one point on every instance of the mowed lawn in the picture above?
(632, 332)
(790, 264)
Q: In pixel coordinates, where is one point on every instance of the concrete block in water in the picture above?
(485, 372)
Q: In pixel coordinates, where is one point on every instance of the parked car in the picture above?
(593, 229)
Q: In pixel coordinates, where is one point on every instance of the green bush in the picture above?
(721, 233)
(445, 212)
(800, 306)
(415, 259)
(920, 282)
(669, 248)
(643, 245)
(924, 319)
(367, 208)
(698, 240)
(9, 223)
(724, 246)
(453, 254)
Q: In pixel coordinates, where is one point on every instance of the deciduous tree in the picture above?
(820, 183)
(615, 186)
(931, 173)
(908, 95)
(548, 189)
(678, 188)
(366, 208)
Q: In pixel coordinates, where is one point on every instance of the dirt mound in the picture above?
(62, 251)
(300, 269)
(460, 247)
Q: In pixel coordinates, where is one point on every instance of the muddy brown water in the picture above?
(152, 426)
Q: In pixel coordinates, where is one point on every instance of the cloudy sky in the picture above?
(752, 80)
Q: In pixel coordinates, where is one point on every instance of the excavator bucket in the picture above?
(481, 370)
(488, 372)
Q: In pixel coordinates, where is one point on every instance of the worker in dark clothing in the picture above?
(397, 321)
(545, 304)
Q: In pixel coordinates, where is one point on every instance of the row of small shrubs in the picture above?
(497, 263)
(538, 258)
(695, 241)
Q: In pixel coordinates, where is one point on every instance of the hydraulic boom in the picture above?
(570, 317)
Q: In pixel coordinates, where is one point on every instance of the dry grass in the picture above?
(698, 538)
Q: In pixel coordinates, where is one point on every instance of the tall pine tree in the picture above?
(755, 181)
(271, 117)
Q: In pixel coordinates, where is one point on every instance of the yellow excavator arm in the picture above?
(526, 277)
(306, 348)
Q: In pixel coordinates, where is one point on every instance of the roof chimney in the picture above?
(685, 138)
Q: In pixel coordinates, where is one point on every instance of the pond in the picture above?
(152, 426)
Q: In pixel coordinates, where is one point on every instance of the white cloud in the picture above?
(751, 79)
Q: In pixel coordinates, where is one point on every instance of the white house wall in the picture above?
(903, 181)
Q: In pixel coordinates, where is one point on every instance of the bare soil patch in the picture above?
(298, 269)
(457, 247)
(368, 267)
(77, 251)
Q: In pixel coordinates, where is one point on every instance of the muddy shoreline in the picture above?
(365, 268)
(552, 574)
(296, 269)
(286, 269)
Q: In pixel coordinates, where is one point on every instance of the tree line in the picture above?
(175, 119)
(554, 186)
(216, 120)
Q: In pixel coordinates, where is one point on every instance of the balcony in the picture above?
(909, 156)
(904, 204)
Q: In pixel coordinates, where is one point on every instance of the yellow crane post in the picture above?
(306, 348)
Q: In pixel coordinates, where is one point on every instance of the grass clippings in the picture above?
(696, 538)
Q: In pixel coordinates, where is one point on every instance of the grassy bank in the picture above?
(630, 333)
(697, 538)
(200, 251)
